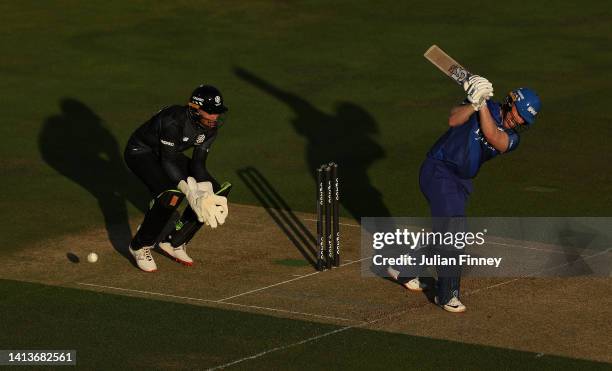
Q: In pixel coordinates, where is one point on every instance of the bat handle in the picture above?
(459, 74)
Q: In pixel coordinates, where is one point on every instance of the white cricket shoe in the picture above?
(413, 285)
(393, 273)
(144, 259)
(179, 253)
(453, 305)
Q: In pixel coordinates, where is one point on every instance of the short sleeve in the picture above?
(513, 140)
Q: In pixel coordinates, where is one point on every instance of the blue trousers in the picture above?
(447, 195)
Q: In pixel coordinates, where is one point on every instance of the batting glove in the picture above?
(475, 80)
(479, 94)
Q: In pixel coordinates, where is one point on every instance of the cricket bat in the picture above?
(446, 64)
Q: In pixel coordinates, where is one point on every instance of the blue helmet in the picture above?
(527, 103)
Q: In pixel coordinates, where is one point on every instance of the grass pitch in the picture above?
(306, 82)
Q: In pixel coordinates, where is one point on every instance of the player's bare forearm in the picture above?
(459, 115)
(497, 138)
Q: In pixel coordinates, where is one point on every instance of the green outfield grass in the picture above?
(117, 332)
(347, 71)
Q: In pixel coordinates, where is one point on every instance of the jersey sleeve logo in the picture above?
(200, 139)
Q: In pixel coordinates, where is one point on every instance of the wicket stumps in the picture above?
(328, 221)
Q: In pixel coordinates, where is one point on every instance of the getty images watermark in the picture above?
(487, 247)
(422, 239)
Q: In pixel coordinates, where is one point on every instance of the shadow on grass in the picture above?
(280, 212)
(345, 137)
(72, 257)
(77, 145)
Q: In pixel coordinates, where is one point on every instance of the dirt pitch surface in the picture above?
(251, 265)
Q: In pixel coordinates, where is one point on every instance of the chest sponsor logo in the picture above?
(167, 143)
(480, 137)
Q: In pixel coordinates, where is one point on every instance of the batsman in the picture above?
(154, 153)
(480, 130)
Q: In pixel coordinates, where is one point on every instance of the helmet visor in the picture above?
(214, 109)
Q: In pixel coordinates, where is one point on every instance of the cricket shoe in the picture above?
(414, 284)
(453, 305)
(144, 259)
(178, 253)
(393, 273)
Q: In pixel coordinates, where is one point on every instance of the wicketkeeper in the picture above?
(155, 154)
(480, 129)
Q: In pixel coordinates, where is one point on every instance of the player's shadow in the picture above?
(345, 137)
(77, 145)
(575, 241)
(280, 212)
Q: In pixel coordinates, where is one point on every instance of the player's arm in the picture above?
(459, 115)
(497, 138)
(198, 166)
(169, 138)
(478, 90)
(201, 173)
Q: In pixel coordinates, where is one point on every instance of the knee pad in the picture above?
(162, 208)
(185, 228)
(170, 199)
(224, 189)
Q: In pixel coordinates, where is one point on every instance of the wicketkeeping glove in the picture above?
(212, 207)
(193, 194)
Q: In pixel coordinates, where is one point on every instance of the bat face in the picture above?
(446, 64)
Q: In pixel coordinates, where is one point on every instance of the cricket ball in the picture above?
(92, 257)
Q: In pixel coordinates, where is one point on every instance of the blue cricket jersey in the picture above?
(464, 148)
